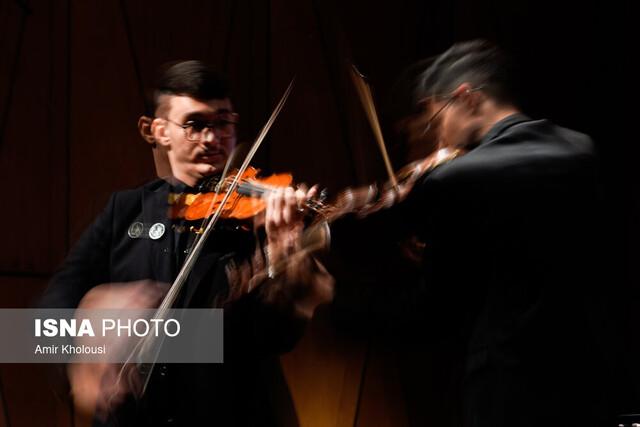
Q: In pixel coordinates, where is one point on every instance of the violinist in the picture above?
(134, 241)
(510, 230)
(518, 212)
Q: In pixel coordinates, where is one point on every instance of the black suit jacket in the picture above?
(511, 232)
(243, 391)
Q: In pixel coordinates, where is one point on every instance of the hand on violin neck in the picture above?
(284, 220)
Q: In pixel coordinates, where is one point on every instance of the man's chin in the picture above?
(205, 173)
(207, 169)
(217, 161)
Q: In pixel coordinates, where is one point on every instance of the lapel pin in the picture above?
(135, 230)
(156, 231)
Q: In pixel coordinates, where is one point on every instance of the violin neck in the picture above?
(252, 189)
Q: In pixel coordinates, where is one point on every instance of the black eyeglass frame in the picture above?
(211, 126)
(450, 99)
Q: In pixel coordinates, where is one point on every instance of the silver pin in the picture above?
(156, 231)
(135, 230)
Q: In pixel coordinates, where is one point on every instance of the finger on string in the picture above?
(289, 203)
(268, 216)
(301, 198)
(277, 200)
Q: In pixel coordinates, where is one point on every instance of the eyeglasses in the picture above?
(436, 114)
(450, 99)
(223, 126)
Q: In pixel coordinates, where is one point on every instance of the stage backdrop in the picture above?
(72, 79)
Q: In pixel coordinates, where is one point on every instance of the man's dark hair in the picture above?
(477, 62)
(189, 78)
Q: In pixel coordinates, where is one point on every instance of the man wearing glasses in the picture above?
(510, 229)
(134, 241)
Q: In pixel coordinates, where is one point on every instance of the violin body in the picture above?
(245, 203)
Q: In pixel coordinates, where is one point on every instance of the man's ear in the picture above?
(462, 90)
(466, 93)
(159, 132)
(144, 127)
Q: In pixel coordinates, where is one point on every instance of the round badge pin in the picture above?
(135, 230)
(156, 231)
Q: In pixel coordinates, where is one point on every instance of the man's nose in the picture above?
(209, 136)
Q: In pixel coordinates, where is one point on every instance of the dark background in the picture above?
(72, 79)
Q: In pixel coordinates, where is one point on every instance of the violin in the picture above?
(247, 200)
(244, 203)
(367, 200)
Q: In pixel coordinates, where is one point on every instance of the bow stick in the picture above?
(364, 93)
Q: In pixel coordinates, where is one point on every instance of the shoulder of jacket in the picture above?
(135, 194)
